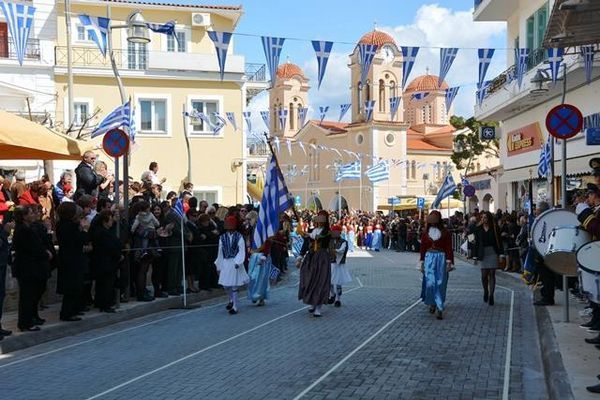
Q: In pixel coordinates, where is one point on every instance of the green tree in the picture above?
(468, 145)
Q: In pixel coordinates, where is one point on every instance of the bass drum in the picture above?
(588, 258)
(541, 229)
(565, 240)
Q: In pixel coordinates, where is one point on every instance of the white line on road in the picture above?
(506, 387)
(363, 344)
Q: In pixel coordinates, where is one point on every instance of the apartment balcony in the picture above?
(494, 10)
(32, 50)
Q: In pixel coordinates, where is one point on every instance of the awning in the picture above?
(411, 204)
(575, 166)
(21, 139)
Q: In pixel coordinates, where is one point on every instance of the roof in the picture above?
(377, 37)
(425, 83)
(332, 126)
(419, 144)
(289, 70)
(176, 4)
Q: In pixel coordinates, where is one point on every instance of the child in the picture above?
(230, 262)
(68, 191)
(144, 229)
(339, 274)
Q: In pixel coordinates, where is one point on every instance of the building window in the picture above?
(153, 116)
(390, 139)
(536, 28)
(429, 114)
(407, 166)
(83, 35)
(137, 55)
(423, 115)
(82, 113)
(381, 95)
(368, 91)
(176, 45)
(392, 89)
(358, 98)
(291, 117)
(360, 139)
(313, 157)
(438, 170)
(210, 196)
(207, 107)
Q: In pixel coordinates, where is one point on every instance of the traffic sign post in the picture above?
(469, 190)
(487, 132)
(420, 203)
(115, 143)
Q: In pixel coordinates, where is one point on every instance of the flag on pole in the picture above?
(409, 55)
(302, 113)
(450, 96)
(485, 58)
(247, 115)
(283, 113)
(545, 162)
(464, 181)
(447, 56)
(288, 142)
(323, 113)
(555, 59)
(266, 117)
(348, 171)
(132, 126)
(587, 52)
(343, 110)
(521, 55)
(302, 147)
(97, 29)
(275, 200)
(366, 54)
(19, 18)
(482, 92)
(221, 41)
(446, 190)
(419, 96)
(277, 144)
(394, 105)
(322, 50)
(120, 116)
(379, 172)
(231, 118)
(272, 47)
(369, 109)
(168, 28)
(178, 208)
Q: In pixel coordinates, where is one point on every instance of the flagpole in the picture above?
(277, 165)
(360, 191)
(183, 266)
(187, 144)
(69, 63)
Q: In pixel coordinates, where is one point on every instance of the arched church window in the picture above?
(413, 169)
(291, 117)
(381, 96)
(392, 89)
(368, 91)
(358, 98)
(407, 166)
(429, 114)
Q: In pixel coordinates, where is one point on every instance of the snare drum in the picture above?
(563, 244)
(543, 224)
(588, 258)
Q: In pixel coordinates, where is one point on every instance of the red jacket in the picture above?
(26, 198)
(444, 244)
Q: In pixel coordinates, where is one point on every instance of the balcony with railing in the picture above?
(494, 10)
(32, 50)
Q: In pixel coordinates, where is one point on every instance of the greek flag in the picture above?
(277, 144)
(447, 56)
(485, 58)
(394, 105)
(272, 47)
(302, 147)
(447, 189)
(274, 273)
(450, 96)
(379, 172)
(521, 55)
(587, 52)
(178, 208)
(168, 28)
(323, 113)
(591, 121)
(409, 55)
(348, 171)
(266, 117)
(132, 127)
(221, 41)
(366, 53)
(555, 59)
(283, 113)
(343, 110)
(231, 118)
(247, 115)
(322, 50)
(275, 200)
(545, 162)
(120, 116)
(419, 96)
(482, 92)
(369, 109)
(464, 181)
(97, 29)
(220, 124)
(288, 142)
(19, 18)
(302, 113)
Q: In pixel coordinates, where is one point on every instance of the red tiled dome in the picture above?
(288, 70)
(377, 37)
(425, 83)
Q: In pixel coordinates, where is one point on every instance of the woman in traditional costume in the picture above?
(339, 274)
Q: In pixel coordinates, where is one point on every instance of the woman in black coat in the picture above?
(32, 266)
(488, 249)
(72, 239)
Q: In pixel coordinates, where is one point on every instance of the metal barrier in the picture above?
(458, 238)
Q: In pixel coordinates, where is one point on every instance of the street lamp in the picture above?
(137, 30)
(539, 79)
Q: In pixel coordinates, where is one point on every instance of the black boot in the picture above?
(594, 389)
(594, 340)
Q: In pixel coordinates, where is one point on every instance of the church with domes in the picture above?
(418, 136)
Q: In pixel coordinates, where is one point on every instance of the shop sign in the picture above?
(526, 139)
(482, 185)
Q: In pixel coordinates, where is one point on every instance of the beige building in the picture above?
(418, 137)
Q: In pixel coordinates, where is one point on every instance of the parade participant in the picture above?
(339, 274)
(315, 270)
(368, 236)
(351, 238)
(377, 238)
(437, 259)
(487, 243)
(259, 270)
(230, 262)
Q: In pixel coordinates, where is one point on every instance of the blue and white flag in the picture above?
(379, 172)
(221, 41)
(545, 163)
(482, 92)
(132, 126)
(447, 56)
(419, 96)
(322, 50)
(231, 118)
(266, 117)
(168, 28)
(275, 200)
(464, 181)
(19, 18)
(302, 147)
(288, 142)
(348, 171)
(366, 54)
(343, 110)
(394, 105)
(178, 208)
(485, 58)
(302, 113)
(409, 55)
(220, 124)
(446, 190)
(591, 121)
(277, 143)
(97, 29)
(555, 59)
(322, 113)
(272, 47)
(450, 96)
(120, 116)
(247, 115)
(521, 56)
(369, 105)
(587, 52)
(282, 114)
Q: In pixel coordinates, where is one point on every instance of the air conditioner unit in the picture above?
(200, 19)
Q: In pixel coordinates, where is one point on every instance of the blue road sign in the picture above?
(564, 121)
(115, 143)
(420, 203)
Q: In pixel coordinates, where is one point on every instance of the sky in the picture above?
(442, 23)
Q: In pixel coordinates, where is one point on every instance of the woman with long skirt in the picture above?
(487, 245)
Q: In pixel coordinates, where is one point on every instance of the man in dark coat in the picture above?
(87, 179)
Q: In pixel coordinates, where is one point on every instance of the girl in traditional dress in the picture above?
(437, 259)
(230, 262)
(259, 271)
(339, 274)
(315, 270)
(377, 238)
(351, 238)
(368, 236)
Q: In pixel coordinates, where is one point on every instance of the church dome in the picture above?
(377, 37)
(426, 83)
(289, 70)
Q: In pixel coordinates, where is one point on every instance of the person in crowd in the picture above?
(87, 179)
(31, 195)
(193, 253)
(143, 230)
(104, 188)
(45, 200)
(351, 237)
(339, 274)
(58, 192)
(202, 206)
(18, 186)
(402, 235)
(259, 271)
(69, 192)
(31, 267)
(377, 238)
(159, 263)
(546, 275)
(437, 260)
(230, 262)
(208, 240)
(174, 259)
(487, 243)
(8, 225)
(152, 174)
(5, 202)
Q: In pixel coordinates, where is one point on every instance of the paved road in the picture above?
(381, 344)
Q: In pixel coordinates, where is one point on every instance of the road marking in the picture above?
(212, 346)
(363, 344)
(506, 387)
(359, 282)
